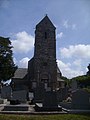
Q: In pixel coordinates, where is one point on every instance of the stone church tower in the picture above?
(45, 53)
(42, 73)
(42, 68)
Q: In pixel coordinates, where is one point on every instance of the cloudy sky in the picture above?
(18, 19)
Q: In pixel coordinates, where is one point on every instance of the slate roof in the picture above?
(59, 79)
(58, 70)
(20, 73)
(59, 74)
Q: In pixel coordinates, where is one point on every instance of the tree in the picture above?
(88, 73)
(67, 81)
(7, 66)
(83, 80)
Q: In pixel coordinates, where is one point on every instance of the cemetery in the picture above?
(40, 87)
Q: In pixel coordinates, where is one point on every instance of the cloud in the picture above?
(78, 51)
(23, 63)
(23, 42)
(78, 56)
(72, 26)
(65, 24)
(15, 60)
(77, 63)
(68, 71)
(60, 35)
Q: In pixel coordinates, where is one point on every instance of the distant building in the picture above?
(42, 68)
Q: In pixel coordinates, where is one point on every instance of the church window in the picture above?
(45, 35)
(44, 63)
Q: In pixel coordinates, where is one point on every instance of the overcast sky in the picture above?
(18, 19)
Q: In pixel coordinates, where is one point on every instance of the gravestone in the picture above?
(62, 94)
(39, 94)
(6, 92)
(74, 85)
(80, 99)
(20, 95)
(50, 100)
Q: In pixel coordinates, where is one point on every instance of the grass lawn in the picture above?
(45, 117)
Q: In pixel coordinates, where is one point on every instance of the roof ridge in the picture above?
(46, 18)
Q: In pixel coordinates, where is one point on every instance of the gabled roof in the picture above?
(20, 73)
(59, 79)
(46, 21)
(58, 70)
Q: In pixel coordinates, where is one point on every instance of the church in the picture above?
(42, 69)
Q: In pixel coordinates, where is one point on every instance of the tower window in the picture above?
(45, 35)
(44, 63)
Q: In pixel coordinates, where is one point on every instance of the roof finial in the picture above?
(46, 14)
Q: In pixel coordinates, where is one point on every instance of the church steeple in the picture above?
(46, 21)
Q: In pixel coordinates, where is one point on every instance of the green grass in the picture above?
(45, 117)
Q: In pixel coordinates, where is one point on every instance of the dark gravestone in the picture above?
(19, 96)
(62, 94)
(81, 99)
(39, 94)
(6, 92)
(14, 102)
(50, 100)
